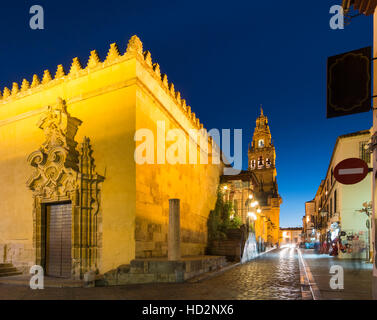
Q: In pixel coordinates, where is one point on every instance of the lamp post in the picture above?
(249, 203)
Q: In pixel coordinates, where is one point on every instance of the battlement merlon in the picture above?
(76, 84)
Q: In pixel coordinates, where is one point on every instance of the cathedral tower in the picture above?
(262, 155)
(262, 162)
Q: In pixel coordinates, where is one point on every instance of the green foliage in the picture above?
(219, 221)
(236, 222)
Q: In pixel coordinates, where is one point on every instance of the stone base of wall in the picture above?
(151, 240)
(18, 253)
(231, 248)
(161, 270)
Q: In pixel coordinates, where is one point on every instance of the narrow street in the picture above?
(274, 275)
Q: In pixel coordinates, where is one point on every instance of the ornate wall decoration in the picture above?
(90, 189)
(56, 161)
(62, 173)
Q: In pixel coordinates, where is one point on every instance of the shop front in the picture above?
(346, 243)
(353, 244)
(333, 238)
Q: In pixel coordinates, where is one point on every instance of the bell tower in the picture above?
(262, 155)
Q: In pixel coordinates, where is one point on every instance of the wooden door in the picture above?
(58, 240)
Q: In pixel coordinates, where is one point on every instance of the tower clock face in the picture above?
(261, 143)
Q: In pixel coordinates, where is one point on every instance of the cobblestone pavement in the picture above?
(275, 275)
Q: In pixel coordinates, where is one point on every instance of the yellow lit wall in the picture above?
(113, 99)
(194, 184)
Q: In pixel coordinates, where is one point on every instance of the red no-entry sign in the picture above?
(351, 171)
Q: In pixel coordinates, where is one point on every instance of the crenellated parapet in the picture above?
(134, 49)
(135, 46)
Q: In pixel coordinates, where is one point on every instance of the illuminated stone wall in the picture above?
(194, 184)
(112, 98)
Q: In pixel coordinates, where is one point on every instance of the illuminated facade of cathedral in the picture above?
(73, 198)
(254, 192)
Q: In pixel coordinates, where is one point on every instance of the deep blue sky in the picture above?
(225, 57)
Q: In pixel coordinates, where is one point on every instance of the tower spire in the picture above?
(261, 110)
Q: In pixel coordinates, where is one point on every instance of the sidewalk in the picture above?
(357, 276)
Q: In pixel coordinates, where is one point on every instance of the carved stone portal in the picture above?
(61, 174)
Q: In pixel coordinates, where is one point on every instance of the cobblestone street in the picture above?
(274, 275)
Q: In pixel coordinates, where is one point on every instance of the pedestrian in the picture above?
(334, 248)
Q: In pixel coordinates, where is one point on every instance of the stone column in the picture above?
(174, 237)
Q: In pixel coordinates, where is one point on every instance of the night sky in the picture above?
(225, 57)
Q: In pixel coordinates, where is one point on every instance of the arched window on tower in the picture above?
(261, 143)
(253, 164)
(268, 162)
(260, 162)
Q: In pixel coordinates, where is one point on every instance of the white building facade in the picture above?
(340, 214)
(344, 203)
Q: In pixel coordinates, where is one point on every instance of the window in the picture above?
(260, 162)
(335, 208)
(364, 153)
(252, 164)
(268, 163)
(261, 143)
(331, 206)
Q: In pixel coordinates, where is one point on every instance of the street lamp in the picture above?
(249, 203)
(252, 215)
(254, 204)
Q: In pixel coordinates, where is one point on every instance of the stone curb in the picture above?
(309, 288)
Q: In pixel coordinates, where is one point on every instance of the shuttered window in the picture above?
(364, 153)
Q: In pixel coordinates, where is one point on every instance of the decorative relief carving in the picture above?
(56, 162)
(62, 173)
(90, 188)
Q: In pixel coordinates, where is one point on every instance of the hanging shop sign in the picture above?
(349, 83)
